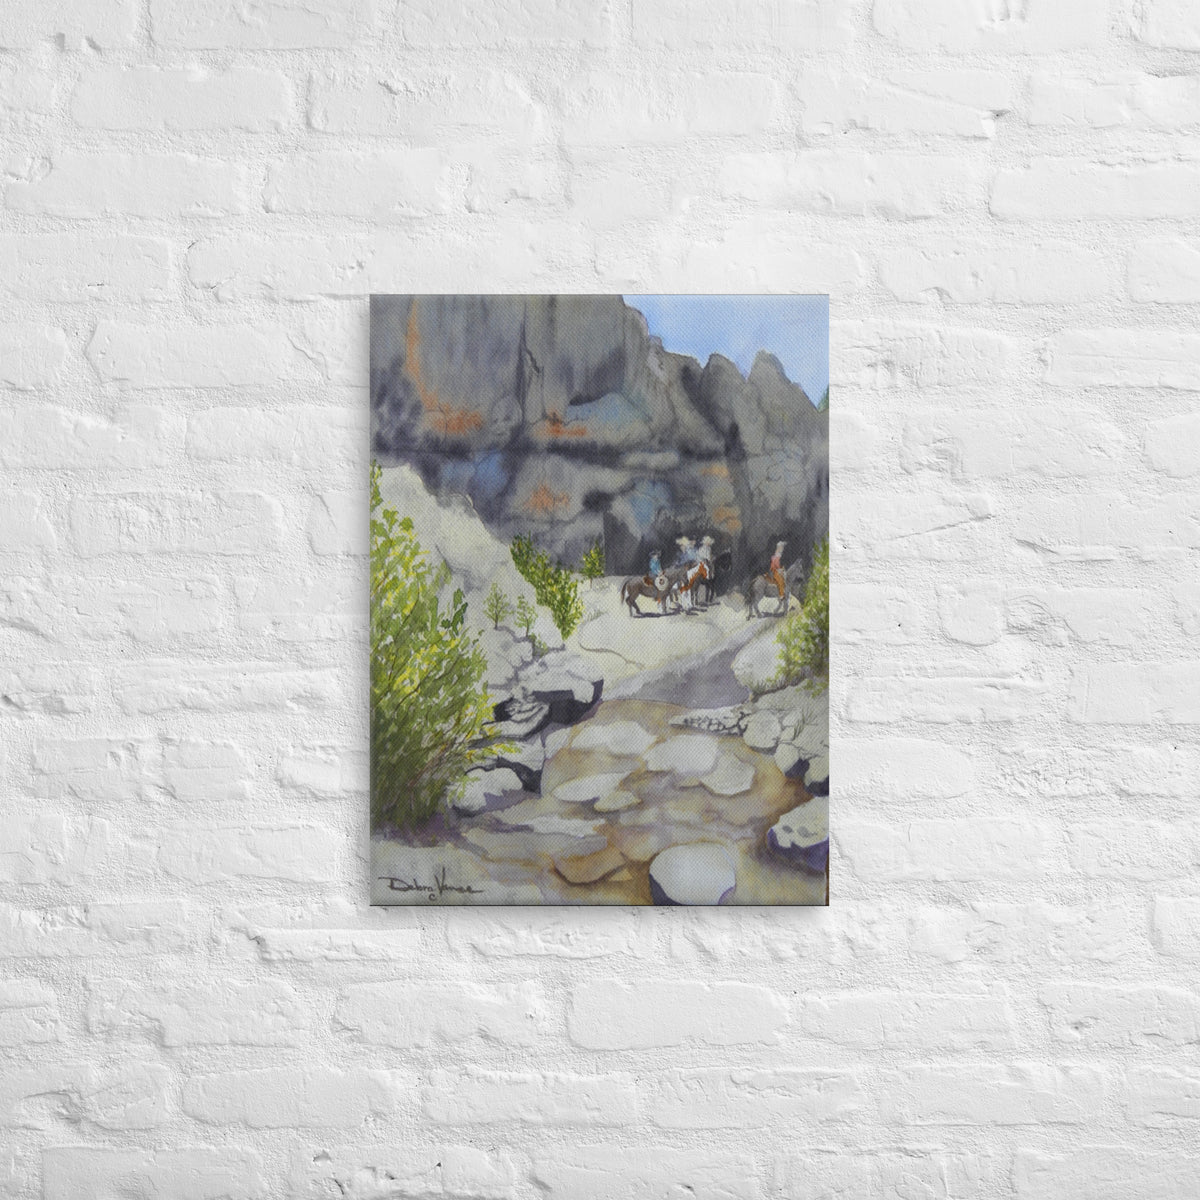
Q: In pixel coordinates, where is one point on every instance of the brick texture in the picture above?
(1002, 1002)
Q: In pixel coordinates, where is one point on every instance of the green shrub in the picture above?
(497, 605)
(428, 701)
(592, 566)
(554, 585)
(526, 614)
(804, 634)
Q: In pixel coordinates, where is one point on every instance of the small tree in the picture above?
(497, 605)
(804, 634)
(526, 614)
(823, 403)
(429, 704)
(592, 566)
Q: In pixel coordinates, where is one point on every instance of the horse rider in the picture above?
(655, 568)
(688, 554)
(706, 545)
(776, 571)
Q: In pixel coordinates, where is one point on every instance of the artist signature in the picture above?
(435, 890)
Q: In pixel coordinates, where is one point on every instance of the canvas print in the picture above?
(599, 599)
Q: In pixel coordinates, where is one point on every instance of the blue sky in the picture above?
(793, 328)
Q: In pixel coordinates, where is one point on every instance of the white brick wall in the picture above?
(1004, 999)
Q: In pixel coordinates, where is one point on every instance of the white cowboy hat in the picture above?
(683, 541)
(706, 540)
(779, 546)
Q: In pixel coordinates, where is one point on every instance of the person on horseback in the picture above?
(688, 553)
(706, 545)
(776, 571)
(655, 568)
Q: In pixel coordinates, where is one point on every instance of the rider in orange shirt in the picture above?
(776, 571)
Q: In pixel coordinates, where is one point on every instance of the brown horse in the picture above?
(657, 588)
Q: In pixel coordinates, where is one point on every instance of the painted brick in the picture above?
(988, 445)
(611, 1015)
(70, 267)
(24, 523)
(1127, 98)
(458, 1171)
(1036, 26)
(426, 109)
(281, 25)
(181, 99)
(752, 1099)
(1173, 445)
(930, 769)
(26, 91)
(996, 1095)
(93, 769)
(106, 23)
(945, 849)
(946, 102)
(609, 1172)
(432, 1014)
(83, 184)
(900, 187)
(1050, 189)
(877, 615)
(943, 699)
(132, 1096)
(425, 23)
(325, 772)
(1160, 1097)
(31, 356)
(314, 437)
(48, 688)
(331, 932)
(1094, 1014)
(550, 933)
(1103, 525)
(339, 523)
(808, 26)
(46, 848)
(109, 931)
(159, 687)
(197, 356)
(1169, 23)
(1177, 925)
(1154, 850)
(232, 1013)
(163, 523)
(994, 273)
(1103, 1173)
(919, 1020)
(1124, 358)
(1135, 693)
(91, 1173)
(476, 1096)
(1164, 271)
(920, 1171)
(217, 854)
(379, 185)
(878, 355)
(28, 1013)
(292, 1097)
(298, 610)
(51, 437)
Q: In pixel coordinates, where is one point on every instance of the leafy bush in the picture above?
(526, 614)
(554, 585)
(592, 566)
(428, 701)
(497, 605)
(804, 634)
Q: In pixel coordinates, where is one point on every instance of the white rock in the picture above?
(617, 737)
(757, 663)
(616, 801)
(688, 754)
(731, 777)
(762, 731)
(695, 873)
(556, 741)
(816, 778)
(486, 787)
(589, 788)
(788, 758)
(802, 835)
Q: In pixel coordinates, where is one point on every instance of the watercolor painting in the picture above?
(599, 599)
